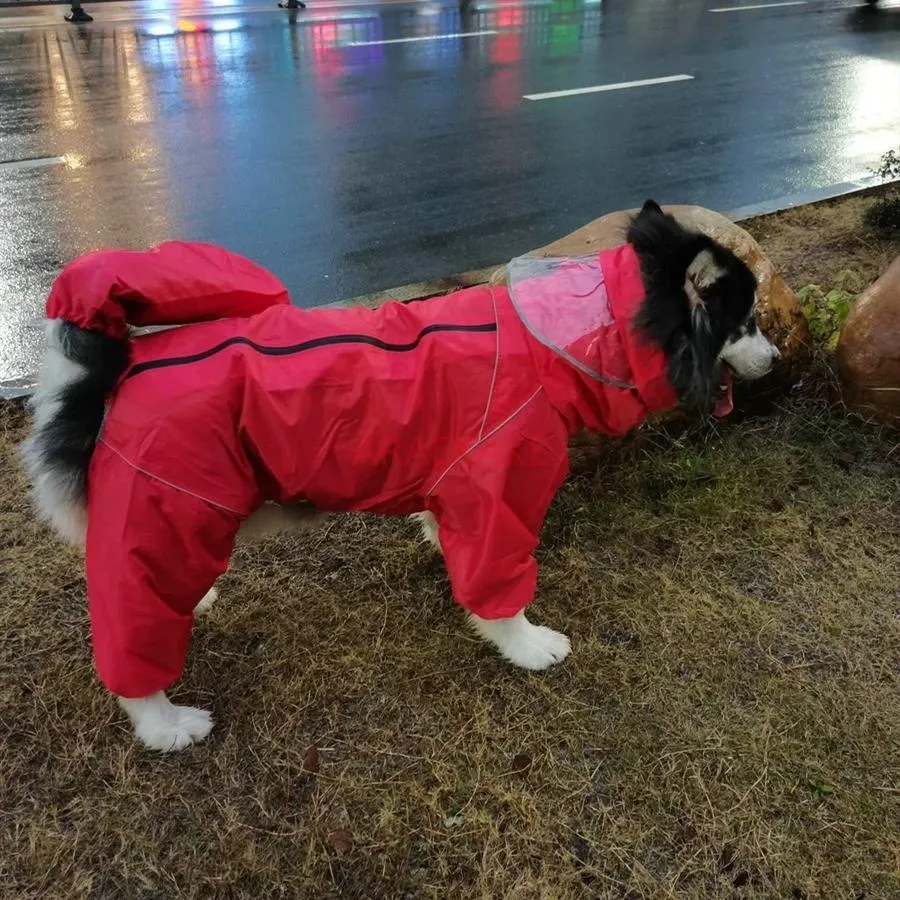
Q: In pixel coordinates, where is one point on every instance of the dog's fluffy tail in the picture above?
(90, 307)
(80, 369)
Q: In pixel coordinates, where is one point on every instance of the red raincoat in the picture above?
(461, 405)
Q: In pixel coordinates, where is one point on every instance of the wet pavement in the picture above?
(347, 158)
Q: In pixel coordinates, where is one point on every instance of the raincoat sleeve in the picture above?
(172, 284)
(490, 508)
(153, 551)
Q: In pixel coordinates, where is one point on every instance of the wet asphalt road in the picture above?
(348, 165)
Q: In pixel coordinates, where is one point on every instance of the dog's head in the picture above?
(699, 308)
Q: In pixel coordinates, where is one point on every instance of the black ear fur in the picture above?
(690, 326)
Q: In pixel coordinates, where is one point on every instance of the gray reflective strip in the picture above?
(169, 484)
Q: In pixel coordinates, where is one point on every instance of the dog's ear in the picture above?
(698, 367)
(703, 272)
(651, 206)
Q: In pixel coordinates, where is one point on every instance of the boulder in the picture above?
(868, 352)
(780, 315)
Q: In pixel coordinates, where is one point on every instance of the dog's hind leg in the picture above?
(150, 561)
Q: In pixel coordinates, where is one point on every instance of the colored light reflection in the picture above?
(186, 26)
(343, 41)
(506, 46)
(161, 29)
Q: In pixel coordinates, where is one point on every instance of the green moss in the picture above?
(826, 312)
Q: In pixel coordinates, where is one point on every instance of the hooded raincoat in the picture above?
(461, 405)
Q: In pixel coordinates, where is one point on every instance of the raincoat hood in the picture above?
(599, 371)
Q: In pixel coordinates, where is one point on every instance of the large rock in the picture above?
(868, 352)
(779, 312)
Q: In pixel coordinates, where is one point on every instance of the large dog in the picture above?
(153, 452)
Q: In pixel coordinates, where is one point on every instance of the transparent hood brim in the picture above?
(564, 303)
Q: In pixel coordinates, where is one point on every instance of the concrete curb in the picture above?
(803, 198)
(25, 386)
(18, 387)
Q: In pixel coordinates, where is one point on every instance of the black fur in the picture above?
(691, 338)
(67, 441)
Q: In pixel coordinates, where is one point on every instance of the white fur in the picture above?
(523, 644)
(160, 725)
(702, 272)
(429, 526)
(750, 356)
(55, 496)
(206, 603)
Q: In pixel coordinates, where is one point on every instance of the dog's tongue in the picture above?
(725, 404)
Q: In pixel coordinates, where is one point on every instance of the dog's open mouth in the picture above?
(725, 401)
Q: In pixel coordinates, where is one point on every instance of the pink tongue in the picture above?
(724, 405)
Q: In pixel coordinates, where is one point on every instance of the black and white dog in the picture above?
(480, 361)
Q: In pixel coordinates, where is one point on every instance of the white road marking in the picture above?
(600, 88)
(722, 9)
(424, 37)
(36, 163)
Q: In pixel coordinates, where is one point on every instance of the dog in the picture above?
(154, 452)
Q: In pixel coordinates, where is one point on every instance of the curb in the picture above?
(24, 387)
(803, 198)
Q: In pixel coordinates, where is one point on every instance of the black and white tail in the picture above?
(90, 306)
(80, 369)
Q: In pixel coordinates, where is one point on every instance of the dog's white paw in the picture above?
(190, 726)
(525, 645)
(204, 605)
(539, 648)
(160, 725)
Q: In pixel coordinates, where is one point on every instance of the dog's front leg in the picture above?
(161, 725)
(429, 526)
(522, 643)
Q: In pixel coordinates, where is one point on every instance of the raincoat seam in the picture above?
(481, 441)
(490, 397)
(168, 484)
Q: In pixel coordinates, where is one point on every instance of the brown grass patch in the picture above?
(727, 726)
(813, 244)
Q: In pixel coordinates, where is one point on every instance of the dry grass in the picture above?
(814, 244)
(728, 724)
